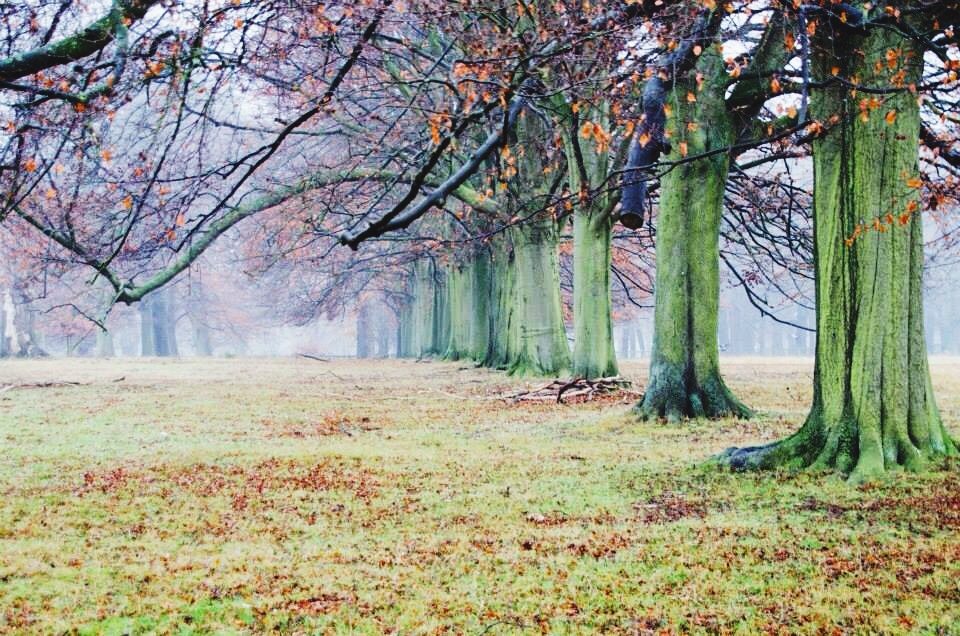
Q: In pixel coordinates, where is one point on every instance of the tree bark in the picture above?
(504, 342)
(685, 376)
(421, 309)
(104, 344)
(873, 407)
(148, 347)
(543, 348)
(364, 331)
(593, 352)
(165, 323)
(588, 159)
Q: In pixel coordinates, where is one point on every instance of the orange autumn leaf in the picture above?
(890, 117)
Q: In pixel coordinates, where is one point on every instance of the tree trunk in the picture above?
(685, 376)
(587, 159)
(104, 343)
(197, 311)
(382, 331)
(442, 313)
(364, 335)
(481, 288)
(593, 353)
(105, 347)
(405, 329)
(164, 323)
(201, 337)
(459, 299)
(148, 347)
(543, 348)
(4, 346)
(504, 342)
(873, 406)
(423, 291)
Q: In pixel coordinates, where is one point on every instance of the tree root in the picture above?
(674, 398)
(835, 448)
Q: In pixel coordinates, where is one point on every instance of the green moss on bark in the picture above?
(542, 339)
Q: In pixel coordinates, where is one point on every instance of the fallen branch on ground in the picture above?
(312, 357)
(571, 389)
(39, 385)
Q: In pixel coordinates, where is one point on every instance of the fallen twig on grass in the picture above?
(39, 385)
(571, 389)
(312, 357)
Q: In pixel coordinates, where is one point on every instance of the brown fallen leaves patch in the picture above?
(938, 509)
(601, 545)
(240, 482)
(332, 423)
(318, 605)
(549, 519)
(669, 507)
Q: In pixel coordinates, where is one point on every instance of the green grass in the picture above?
(242, 496)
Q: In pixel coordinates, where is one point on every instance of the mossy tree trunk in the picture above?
(873, 406)
(469, 300)
(422, 308)
(442, 313)
(542, 347)
(685, 376)
(588, 155)
(503, 342)
(481, 290)
(456, 283)
(405, 330)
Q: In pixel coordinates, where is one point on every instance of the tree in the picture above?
(689, 116)
(873, 409)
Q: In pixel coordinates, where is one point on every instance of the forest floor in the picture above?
(246, 495)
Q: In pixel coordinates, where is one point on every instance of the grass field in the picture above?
(242, 496)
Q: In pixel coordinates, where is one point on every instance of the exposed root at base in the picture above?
(675, 403)
(677, 392)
